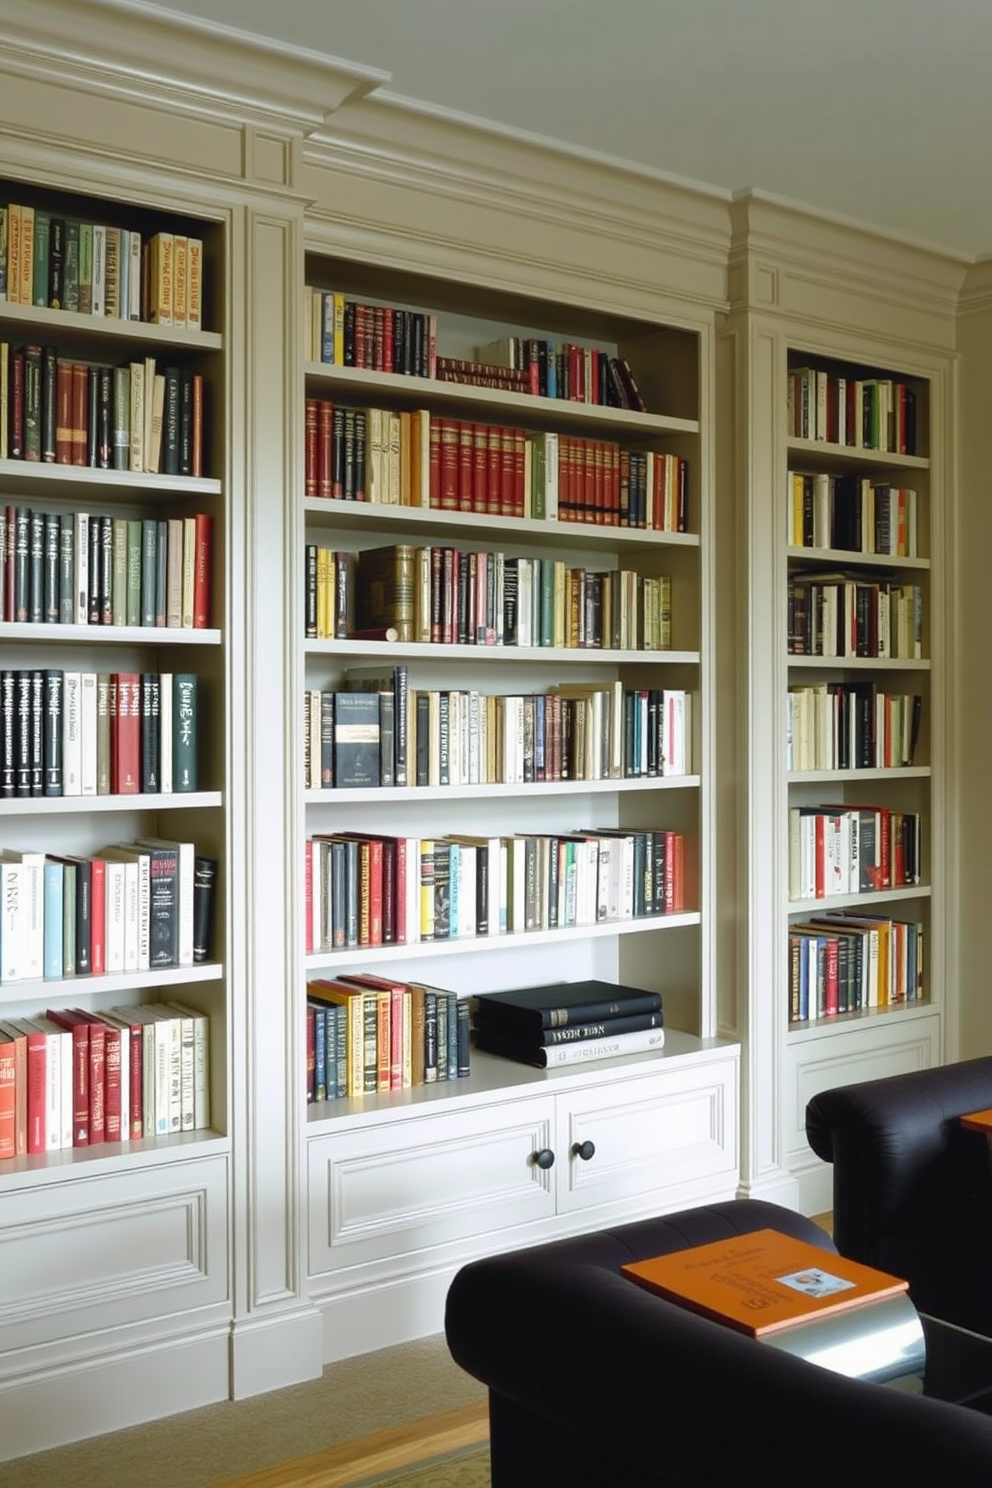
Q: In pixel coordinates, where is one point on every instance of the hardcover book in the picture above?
(356, 739)
(763, 1282)
(527, 1011)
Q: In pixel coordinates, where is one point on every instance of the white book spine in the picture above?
(87, 733)
(72, 748)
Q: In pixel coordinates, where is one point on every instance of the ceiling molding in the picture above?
(145, 53)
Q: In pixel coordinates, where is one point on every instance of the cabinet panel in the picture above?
(427, 1181)
(648, 1135)
(89, 1255)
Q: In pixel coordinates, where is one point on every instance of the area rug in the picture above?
(465, 1469)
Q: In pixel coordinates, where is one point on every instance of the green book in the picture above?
(118, 587)
(184, 731)
(39, 278)
(134, 572)
(70, 274)
(149, 570)
(85, 268)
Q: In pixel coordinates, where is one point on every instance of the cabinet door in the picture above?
(659, 1140)
(403, 1186)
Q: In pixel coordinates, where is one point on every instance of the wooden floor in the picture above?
(386, 1451)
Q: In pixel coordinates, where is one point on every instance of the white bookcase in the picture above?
(663, 1126)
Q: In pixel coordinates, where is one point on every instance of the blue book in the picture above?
(53, 879)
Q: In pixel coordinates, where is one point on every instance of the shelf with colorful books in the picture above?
(112, 536)
(494, 482)
(860, 685)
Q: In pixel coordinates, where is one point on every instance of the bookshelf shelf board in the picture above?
(833, 777)
(858, 663)
(108, 1157)
(466, 945)
(144, 635)
(65, 805)
(374, 516)
(53, 324)
(385, 651)
(86, 480)
(840, 1023)
(843, 557)
(859, 901)
(421, 392)
(103, 987)
(495, 790)
(838, 456)
(505, 1078)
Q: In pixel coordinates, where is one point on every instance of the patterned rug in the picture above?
(464, 1469)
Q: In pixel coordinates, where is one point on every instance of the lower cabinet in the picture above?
(846, 1055)
(398, 1198)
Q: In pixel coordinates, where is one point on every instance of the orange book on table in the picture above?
(978, 1120)
(763, 1282)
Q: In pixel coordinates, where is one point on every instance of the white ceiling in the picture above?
(880, 110)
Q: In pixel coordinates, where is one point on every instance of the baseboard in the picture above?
(271, 1352)
(778, 1188)
(71, 1402)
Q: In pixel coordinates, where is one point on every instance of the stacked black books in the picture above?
(567, 1023)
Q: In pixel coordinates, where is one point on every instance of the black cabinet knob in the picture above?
(545, 1158)
(585, 1150)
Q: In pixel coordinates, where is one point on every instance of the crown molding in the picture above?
(976, 293)
(787, 258)
(142, 52)
(529, 182)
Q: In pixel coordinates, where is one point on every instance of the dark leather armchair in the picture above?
(596, 1383)
(912, 1187)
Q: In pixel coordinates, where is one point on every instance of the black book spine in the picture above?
(8, 733)
(151, 776)
(23, 751)
(186, 422)
(104, 411)
(36, 567)
(361, 426)
(463, 1044)
(53, 733)
(106, 596)
(22, 563)
(204, 907)
(51, 562)
(170, 422)
(56, 264)
(310, 592)
(84, 916)
(93, 571)
(49, 369)
(37, 733)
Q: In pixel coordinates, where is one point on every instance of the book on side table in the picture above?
(792, 1293)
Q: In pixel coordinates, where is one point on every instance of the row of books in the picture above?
(382, 732)
(580, 374)
(375, 889)
(125, 417)
(876, 413)
(852, 615)
(344, 332)
(60, 263)
(128, 907)
(68, 733)
(70, 1078)
(851, 726)
(568, 1023)
(852, 850)
(448, 596)
(90, 568)
(852, 513)
(845, 962)
(416, 458)
(367, 1034)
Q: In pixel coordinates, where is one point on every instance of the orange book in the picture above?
(203, 566)
(978, 1121)
(763, 1282)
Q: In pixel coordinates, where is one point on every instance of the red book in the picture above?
(112, 1081)
(310, 424)
(79, 1028)
(133, 1032)
(37, 1102)
(448, 486)
(324, 450)
(98, 917)
(389, 891)
(98, 1078)
(466, 466)
(19, 1044)
(201, 579)
(434, 463)
(494, 469)
(80, 407)
(63, 412)
(15, 442)
(506, 473)
(126, 735)
(8, 1095)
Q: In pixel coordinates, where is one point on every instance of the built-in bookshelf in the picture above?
(859, 698)
(527, 531)
(112, 681)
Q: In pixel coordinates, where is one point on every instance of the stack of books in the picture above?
(568, 1023)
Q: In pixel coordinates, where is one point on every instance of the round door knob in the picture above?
(585, 1150)
(545, 1158)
